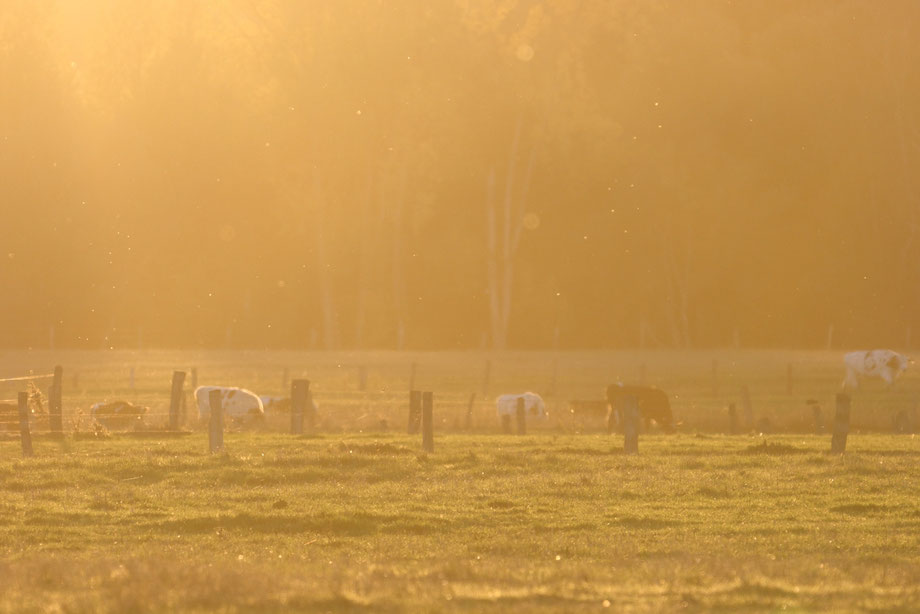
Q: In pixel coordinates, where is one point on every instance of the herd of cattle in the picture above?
(653, 404)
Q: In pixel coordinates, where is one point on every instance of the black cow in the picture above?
(653, 405)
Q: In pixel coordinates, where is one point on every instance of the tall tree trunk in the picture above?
(398, 279)
(503, 242)
(327, 300)
(369, 228)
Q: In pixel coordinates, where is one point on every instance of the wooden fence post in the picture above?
(415, 411)
(216, 423)
(24, 433)
(612, 408)
(816, 415)
(748, 410)
(521, 414)
(55, 404)
(469, 412)
(175, 399)
(300, 390)
(194, 378)
(552, 383)
(428, 422)
(732, 419)
(630, 415)
(841, 424)
(715, 377)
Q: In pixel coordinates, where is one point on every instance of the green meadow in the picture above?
(355, 517)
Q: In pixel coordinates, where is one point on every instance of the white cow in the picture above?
(886, 364)
(534, 406)
(236, 402)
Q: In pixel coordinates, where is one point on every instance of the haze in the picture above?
(467, 174)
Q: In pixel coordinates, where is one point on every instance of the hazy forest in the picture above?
(459, 174)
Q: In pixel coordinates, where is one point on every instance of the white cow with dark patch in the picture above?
(534, 406)
(236, 402)
(886, 364)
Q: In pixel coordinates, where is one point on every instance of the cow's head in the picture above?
(898, 363)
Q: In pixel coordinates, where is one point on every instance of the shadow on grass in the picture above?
(350, 525)
(861, 509)
(774, 449)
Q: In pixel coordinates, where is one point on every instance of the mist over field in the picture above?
(466, 174)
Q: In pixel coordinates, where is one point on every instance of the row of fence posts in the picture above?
(627, 407)
(420, 413)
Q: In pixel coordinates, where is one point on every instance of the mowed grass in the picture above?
(359, 519)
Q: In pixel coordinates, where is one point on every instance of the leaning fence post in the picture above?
(630, 414)
(521, 415)
(427, 422)
(612, 408)
(415, 411)
(216, 423)
(24, 432)
(469, 411)
(55, 412)
(715, 377)
(175, 399)
(300, 388)
(748, 410)
(816, 415)
(841, 424)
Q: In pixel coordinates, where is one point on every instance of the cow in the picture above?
(118, 414)
(534, 407)
(886, 364)
(236, 402)
(282, 405)
(653, 405)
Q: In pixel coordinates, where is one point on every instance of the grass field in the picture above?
(356, 518)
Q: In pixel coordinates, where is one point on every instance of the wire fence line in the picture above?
(22, 378)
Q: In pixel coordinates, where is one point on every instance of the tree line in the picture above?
(476, 173)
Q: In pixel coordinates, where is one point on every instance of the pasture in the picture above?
(355, 517)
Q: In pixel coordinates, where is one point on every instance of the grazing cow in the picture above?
(885, 364)
(282, 405)
(534, 406)
(236, 402)
(653, 404)
(118, 414)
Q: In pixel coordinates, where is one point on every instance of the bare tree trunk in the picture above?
(369, 232)
(399, 284)
(503, 243)
(327, 301)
